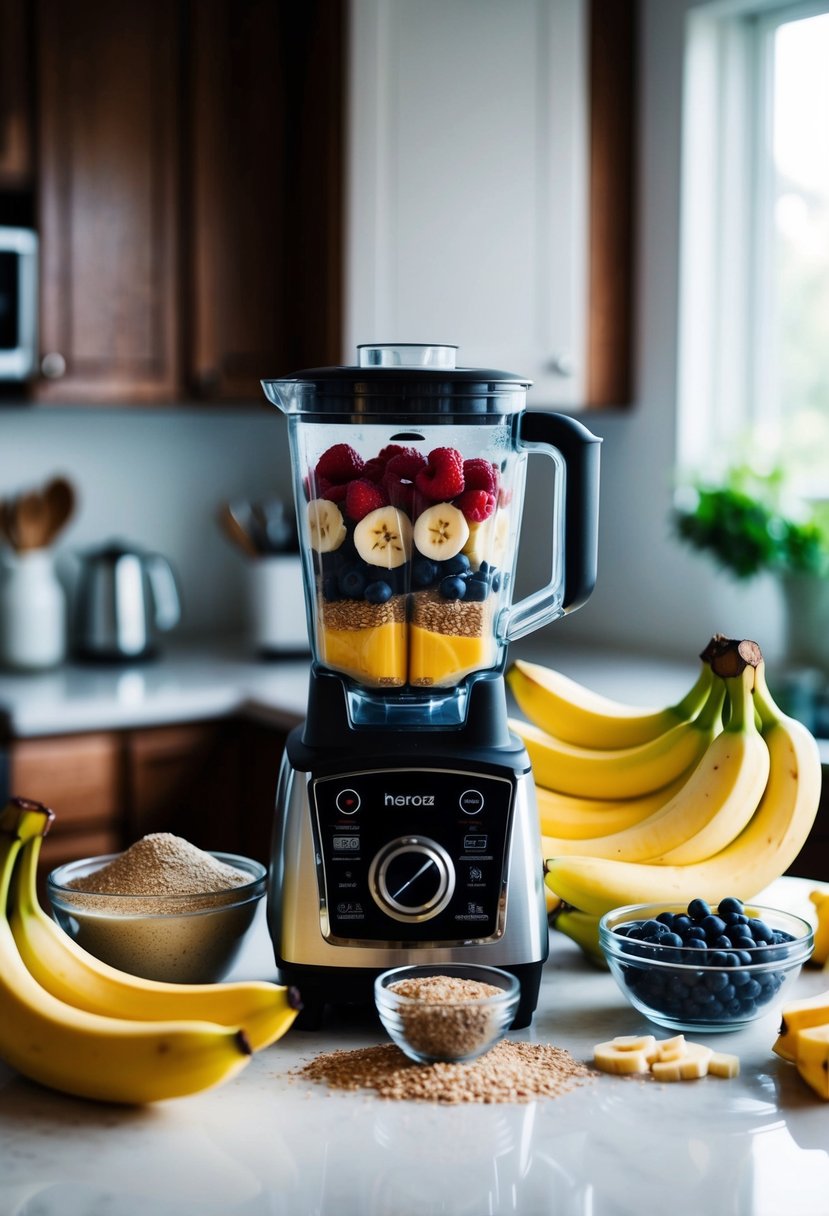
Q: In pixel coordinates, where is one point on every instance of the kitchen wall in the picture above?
(157, 477)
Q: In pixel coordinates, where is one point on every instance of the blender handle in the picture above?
(557, 435)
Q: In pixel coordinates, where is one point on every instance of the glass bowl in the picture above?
(186, 939)
(438, 1022)
(703, 989)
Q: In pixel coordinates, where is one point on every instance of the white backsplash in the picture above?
(155, 477)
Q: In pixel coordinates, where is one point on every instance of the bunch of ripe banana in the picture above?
(715, 794)
(804, 1040)
(73, 1023)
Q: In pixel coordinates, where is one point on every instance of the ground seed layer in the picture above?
(510, 1072)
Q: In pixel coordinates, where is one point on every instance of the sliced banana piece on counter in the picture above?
(673, 1059)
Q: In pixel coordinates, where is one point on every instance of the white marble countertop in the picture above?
(268, 1143)
(215, 678)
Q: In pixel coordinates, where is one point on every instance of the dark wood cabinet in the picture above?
(16, 143)
(213, 783)
(109, 190)
(265, 197)
(189, 197)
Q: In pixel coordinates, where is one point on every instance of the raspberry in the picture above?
(477, 505)
(363, 496)
(338, 464)
(376, 467)
(479, 474)
(399, 478)
(442, 478)
(331, 490)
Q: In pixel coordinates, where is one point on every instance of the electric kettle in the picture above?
(124, 598)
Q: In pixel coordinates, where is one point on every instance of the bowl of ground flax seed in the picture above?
(446, 1013)
(163, 909)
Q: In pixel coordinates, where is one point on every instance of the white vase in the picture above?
(32, 612)
(806, 601)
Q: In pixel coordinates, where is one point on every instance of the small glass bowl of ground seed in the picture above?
(162, 910)
(447, 1012)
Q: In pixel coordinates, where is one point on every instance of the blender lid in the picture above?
(423, 374)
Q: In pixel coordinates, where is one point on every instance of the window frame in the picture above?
(727, 332)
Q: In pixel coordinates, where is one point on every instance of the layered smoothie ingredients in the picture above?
(404, 547)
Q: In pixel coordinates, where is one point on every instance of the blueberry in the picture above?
(496, 582)
(722, 942)
(698, 909)
(459, 564)
(649, 927)
(330, 587)
(739, 979)
(352, 582)
(477, 589)
(735, 918)
(671, 939)
(729, 904)
(695, 943)
(713, 926)
(732, 959)
(453, 587)
(694, 932)
(760, 931)
(718, 958)
(378, 592)
(485, 568)
(666, 918)
(424, 572)
(681, 921)
(716, 981)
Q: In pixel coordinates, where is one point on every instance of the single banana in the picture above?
(711, 807)
(800, 1015)
(820, 954)
(627, 772)
(763, 851)
(91, 1056)
(583, 929)
(265, 1011)
(573, 818)
(575, 714)
(812, 1059)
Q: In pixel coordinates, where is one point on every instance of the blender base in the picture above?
(355, 991)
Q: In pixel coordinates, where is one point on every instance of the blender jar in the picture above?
(409, 481)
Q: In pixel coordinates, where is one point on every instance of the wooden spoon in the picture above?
(59, 496)
(235, 530)
(30, 518)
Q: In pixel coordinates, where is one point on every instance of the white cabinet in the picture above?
(468, 216)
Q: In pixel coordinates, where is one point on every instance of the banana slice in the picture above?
(326, 526)
(671, 1049)
(384, 538)
(724, 1064)
(441, 531)
(689, 1066)
(625, 1054)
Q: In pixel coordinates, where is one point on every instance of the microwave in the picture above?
(18, 303)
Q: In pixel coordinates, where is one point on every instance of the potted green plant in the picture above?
(749, 523)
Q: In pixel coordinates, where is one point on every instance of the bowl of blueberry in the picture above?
(702, 968)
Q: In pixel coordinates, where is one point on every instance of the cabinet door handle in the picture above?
(53, 365)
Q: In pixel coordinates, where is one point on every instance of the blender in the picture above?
(406, 826)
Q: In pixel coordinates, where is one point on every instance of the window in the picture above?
(754, 283)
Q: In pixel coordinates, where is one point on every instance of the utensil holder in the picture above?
(276, 606)
(32, 612)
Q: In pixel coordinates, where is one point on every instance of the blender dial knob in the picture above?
(412, 878)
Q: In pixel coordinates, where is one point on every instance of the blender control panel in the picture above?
(412, 855)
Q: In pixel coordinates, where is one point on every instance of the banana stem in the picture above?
(711, 713)
(9, 848)
(25, 874)
(686, 708)
(741, 701)
(770, 713)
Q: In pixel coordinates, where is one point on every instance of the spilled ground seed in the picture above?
(510, 1072)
